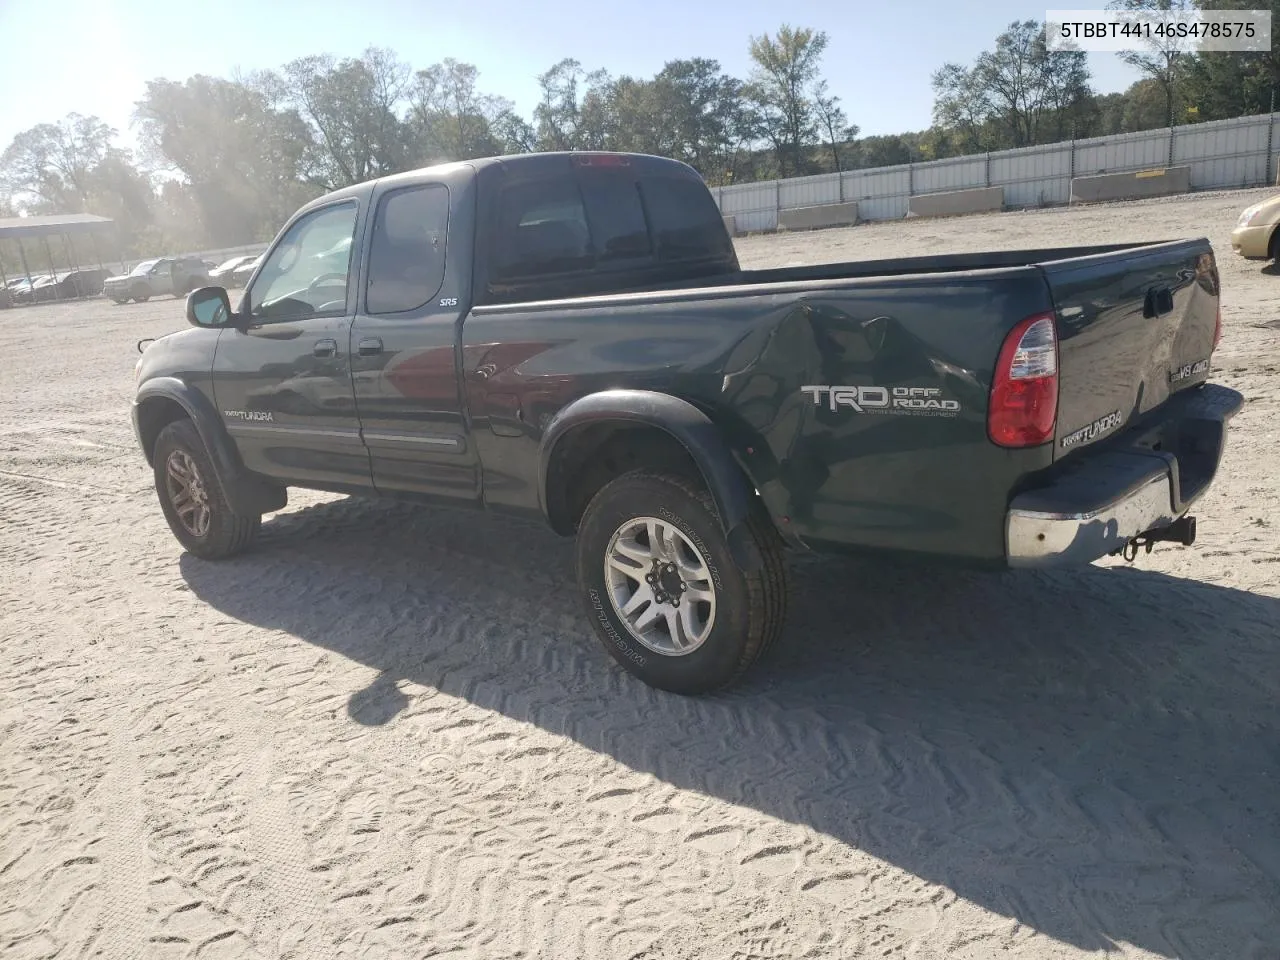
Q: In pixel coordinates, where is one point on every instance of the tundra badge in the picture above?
(1093, 430)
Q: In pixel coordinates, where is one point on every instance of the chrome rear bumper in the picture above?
(1105, 499)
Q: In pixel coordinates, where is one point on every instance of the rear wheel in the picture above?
(663, 591)
(192, 498)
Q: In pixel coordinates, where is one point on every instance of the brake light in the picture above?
(1217, 329)
(601, 160)
(1024, 391)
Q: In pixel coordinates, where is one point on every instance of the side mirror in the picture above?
(209, 307)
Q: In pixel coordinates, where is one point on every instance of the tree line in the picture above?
(225, 160)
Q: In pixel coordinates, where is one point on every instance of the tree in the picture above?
(449, 118)
(832, 122)
(786, 68)
(353, 109)
(575, 110)
(1162, 59)
(241, 157)
(53, 162)
(1231, 84)
(1017, 94)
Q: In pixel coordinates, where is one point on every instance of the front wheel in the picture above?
(192, 497)
(663, 591)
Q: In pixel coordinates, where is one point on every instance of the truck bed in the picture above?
(745, 345)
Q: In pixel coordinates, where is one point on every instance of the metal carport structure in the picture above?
(64, 228)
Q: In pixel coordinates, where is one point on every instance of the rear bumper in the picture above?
(1105, 499)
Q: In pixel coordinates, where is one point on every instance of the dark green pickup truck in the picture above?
(570, 337)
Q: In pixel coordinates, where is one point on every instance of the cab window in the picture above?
(306, 274)
(406, 254)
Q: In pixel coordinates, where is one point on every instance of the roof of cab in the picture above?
(445, 171)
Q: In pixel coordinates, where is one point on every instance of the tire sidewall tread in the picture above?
(747, 605)
(229, 532)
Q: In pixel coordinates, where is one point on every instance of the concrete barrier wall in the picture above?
(823, 215)
(1159, 182)
(731, 224)
(955, 202)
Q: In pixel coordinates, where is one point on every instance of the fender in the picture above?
(730, 489)
(247, 492)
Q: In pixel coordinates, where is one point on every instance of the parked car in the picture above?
(241, 274)
(224, 275)
(1255, 236)
(88, 282)
(63, 286)
(20, 287)
(173, 275)
(40, 289)
(571, 337)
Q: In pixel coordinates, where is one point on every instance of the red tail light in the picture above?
(1217, 329)
(1024, 391)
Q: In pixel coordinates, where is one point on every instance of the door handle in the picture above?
(369, 347)
(325, 348)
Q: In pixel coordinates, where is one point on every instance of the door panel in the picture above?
(283, 382)
(403, 345)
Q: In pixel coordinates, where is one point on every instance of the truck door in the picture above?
(403, 348)
(283, 382)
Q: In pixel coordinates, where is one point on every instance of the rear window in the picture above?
(685, 219)
(542, 228)
(610, 223)
(616, 216)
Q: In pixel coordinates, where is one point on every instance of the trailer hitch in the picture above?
(1182, 530)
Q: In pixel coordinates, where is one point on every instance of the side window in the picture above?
(306, 274)
(618, 229)
(406, 257)
(542, 228)
(685, 219)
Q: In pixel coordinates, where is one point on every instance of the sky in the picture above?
(95, 56)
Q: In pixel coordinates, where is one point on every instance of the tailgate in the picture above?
(1134, 327)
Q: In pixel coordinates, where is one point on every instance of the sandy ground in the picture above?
(388, 732)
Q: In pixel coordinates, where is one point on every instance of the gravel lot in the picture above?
(388, 732)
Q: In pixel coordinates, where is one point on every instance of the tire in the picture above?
(224, 532)
(749, 607)
(119, 300)
(141, 294)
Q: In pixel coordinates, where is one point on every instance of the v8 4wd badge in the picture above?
(1188, 370)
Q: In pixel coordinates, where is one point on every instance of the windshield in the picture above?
(143, 267)
(229, 264)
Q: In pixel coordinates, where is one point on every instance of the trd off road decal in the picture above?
(906, 401)
(1093, 430)
(249, 415)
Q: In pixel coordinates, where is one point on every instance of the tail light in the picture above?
(1217, 329)
(1024, 391)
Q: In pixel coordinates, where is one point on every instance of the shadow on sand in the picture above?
(1094, 753)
